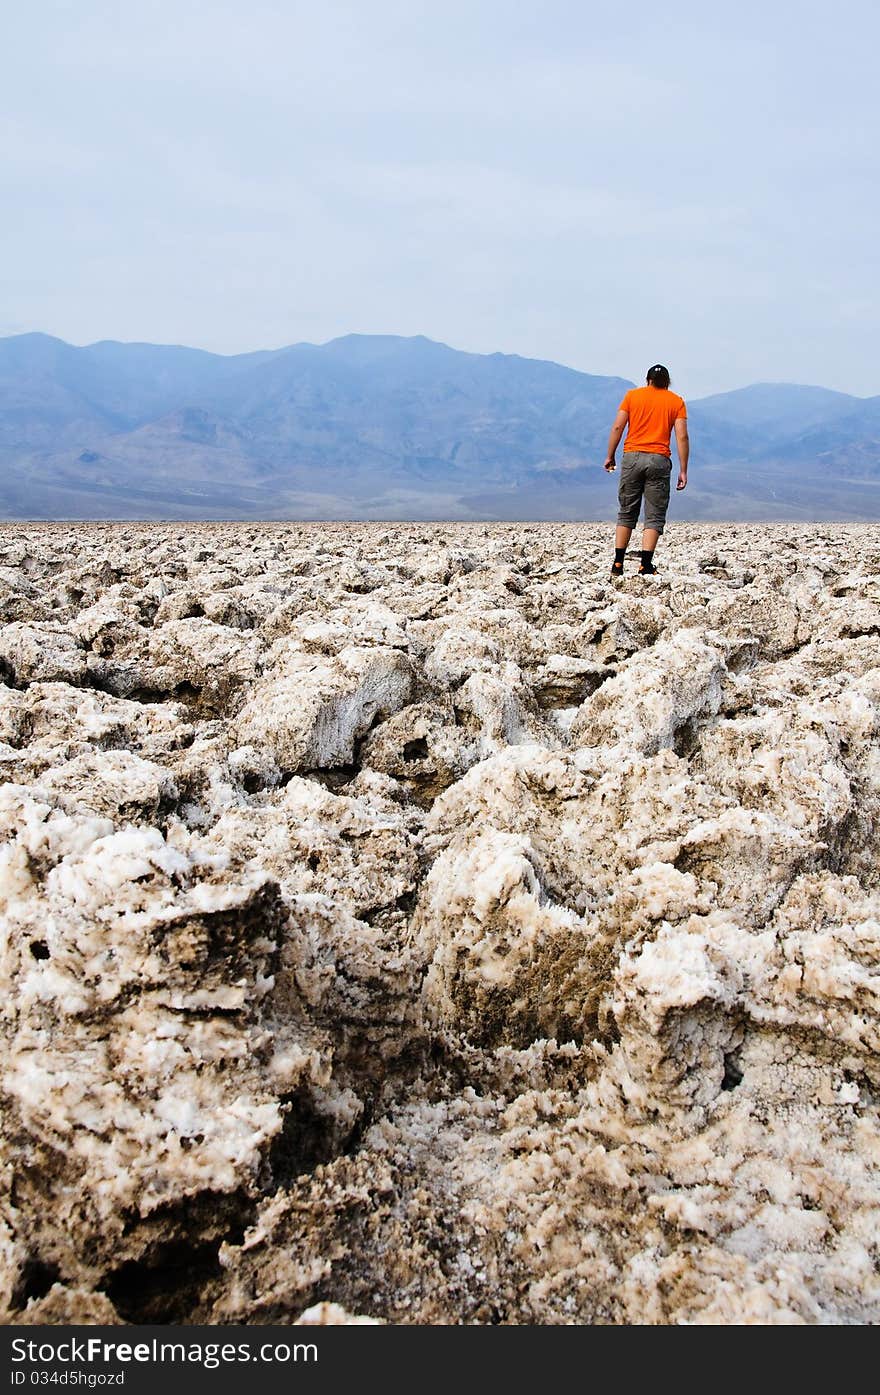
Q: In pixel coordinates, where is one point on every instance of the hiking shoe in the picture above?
(616, 570)
(650, 570)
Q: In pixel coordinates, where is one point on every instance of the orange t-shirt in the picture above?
(652, 413)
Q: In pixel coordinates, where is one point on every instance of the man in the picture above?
(651, 412)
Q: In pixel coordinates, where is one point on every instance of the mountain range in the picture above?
(382, 427)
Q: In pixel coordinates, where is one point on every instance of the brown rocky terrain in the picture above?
(408, 919)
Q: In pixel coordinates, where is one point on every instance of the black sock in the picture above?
(619, 554)
(648, 559)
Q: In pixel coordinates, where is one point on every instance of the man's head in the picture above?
(658, 376)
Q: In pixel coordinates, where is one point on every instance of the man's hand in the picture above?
(610, 464)
(682, 480)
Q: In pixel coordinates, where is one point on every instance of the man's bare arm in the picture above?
(683, 445)
(617, 431)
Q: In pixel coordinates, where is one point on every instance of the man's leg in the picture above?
(649, 542)
(656, 504)
(621, 538)
(629, 498)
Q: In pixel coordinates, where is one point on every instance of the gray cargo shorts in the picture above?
(643, 474)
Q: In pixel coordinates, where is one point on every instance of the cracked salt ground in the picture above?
(403, 923)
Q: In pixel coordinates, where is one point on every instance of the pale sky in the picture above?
(603, 185)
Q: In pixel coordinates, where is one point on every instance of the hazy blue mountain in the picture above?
(848, 445)
(387, 427)
(122, 385)
(774, 410)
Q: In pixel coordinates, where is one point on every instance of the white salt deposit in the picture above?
(406, 923)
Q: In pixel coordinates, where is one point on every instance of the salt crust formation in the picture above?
(408, 924)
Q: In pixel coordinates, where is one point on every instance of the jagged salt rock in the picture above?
(311, 715)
